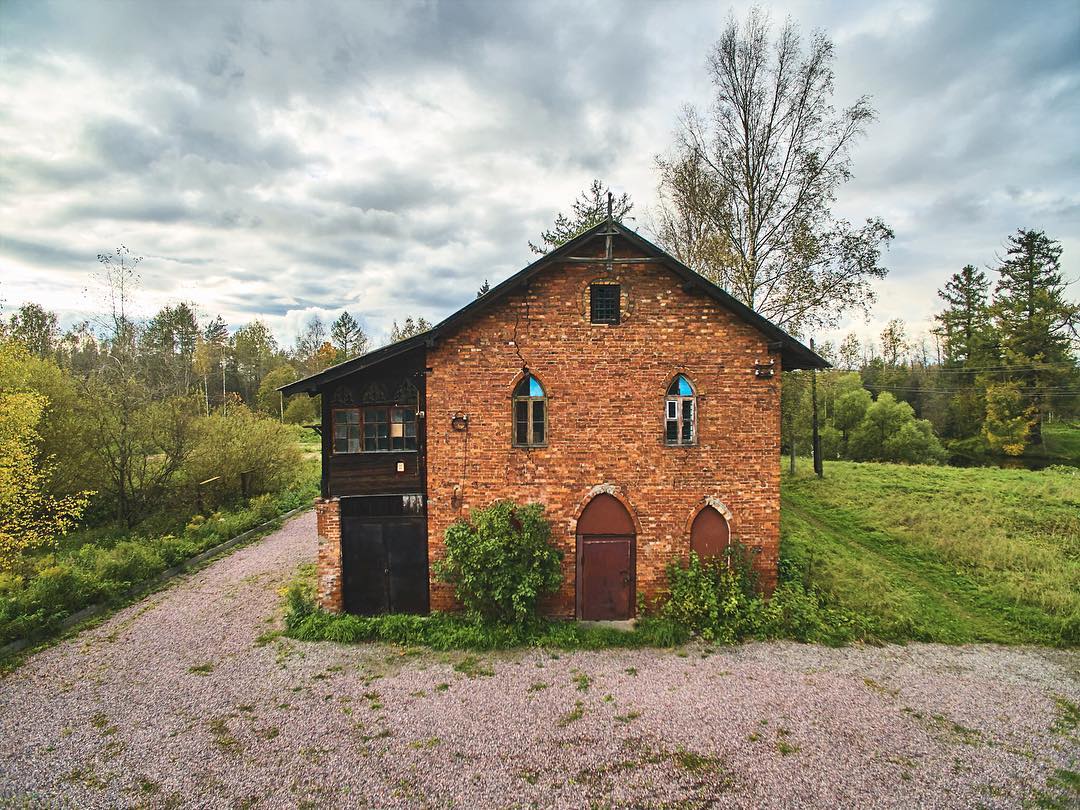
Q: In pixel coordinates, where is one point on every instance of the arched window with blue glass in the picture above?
(530, 413)
(680, 414)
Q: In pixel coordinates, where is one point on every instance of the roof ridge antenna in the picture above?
(609, 232)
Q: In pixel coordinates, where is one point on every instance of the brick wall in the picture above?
(606, 387)
(328, 563)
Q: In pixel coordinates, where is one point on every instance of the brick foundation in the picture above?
(328, 564)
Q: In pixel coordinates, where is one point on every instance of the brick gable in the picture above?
(606, 388)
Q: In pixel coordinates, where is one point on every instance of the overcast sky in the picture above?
(277, 159)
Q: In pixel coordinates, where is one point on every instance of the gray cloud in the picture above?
(277, 159)
(40, 253)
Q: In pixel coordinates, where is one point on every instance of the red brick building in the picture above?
(633, 398)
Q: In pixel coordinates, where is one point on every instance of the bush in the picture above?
(302, 410)
(243, 440)
(889, 431)
(710, 598)
(501, 561)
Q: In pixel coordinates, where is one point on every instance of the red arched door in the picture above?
(709, 533)
(605, 560)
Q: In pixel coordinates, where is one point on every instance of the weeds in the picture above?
(1067, 716)
(694, 762)
(573, 715)
(223, 738)
(473, 667)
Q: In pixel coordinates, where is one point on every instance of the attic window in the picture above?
(604, 303)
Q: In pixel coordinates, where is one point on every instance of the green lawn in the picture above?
(1061, 442)
(941, 553)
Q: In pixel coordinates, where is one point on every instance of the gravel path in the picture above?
(183, 700)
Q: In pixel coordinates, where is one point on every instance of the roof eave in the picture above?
(311, 384)
(794, 354)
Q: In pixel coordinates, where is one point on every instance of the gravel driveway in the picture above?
(186, 699)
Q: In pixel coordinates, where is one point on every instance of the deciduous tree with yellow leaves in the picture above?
(30, 518)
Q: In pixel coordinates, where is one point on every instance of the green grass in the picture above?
(452, 631)
(940, 553)
(1060, 441)
(308, 439)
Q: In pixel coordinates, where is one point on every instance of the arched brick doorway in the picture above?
(709, 533)
(606, 541)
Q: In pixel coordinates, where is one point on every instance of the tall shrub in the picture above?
(501, 561)
(239, 441)
(30, 518)
(711, 597)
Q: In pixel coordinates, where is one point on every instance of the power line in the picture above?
(997, 369)
(1036, 392)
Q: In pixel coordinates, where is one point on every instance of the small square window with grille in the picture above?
(604, 303)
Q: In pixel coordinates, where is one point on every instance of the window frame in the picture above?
(679, 402)
(530, 404)
(358, 424)
(409, 416)
(617, 318)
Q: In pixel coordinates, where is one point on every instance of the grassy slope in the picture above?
(942, 554)
(1060, 441)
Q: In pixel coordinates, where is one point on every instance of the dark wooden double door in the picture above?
(384, 564)
(605, 561)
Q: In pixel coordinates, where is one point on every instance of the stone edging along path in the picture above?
(90, 611)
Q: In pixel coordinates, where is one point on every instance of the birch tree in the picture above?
(747, 191)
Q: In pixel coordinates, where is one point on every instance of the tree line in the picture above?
(999, 362)
(121, 419)
(175, 353)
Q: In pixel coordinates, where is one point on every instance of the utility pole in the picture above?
(815, 437)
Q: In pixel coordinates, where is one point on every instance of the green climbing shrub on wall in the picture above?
(501, 561)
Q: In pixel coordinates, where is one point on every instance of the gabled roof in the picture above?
(794, 355)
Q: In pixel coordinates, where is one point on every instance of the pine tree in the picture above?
(348, 337)
(1036, 323)
(589, 209)
(209, 359)
(484, 289)
(965, 329)
(967, 342)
